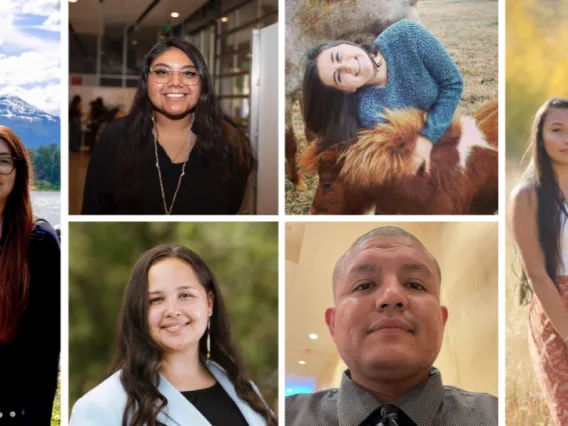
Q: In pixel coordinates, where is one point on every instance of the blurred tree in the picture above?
(46, 165)
(537, 63)
(243, 257)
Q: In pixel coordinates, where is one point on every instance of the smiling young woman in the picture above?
(29, 294)
(176, 363)
(349, 87)
(174, 153)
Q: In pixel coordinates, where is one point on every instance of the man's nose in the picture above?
(392, 295)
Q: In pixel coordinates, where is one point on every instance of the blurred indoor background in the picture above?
(467, 254)
(108, 41)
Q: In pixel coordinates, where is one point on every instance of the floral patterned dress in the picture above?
(549, 354)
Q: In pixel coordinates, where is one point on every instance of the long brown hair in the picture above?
(551, 211)
(139, 357)
(16, 229)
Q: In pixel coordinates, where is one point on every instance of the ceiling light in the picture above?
(313, 336)
(302, 362)
(174, 15)
(134, 42)
(72, 1)
(224, 19)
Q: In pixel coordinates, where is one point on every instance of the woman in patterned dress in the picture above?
(538, 215)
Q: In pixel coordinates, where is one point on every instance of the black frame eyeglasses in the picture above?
(2, 171)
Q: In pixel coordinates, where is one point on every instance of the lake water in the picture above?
(47, 205)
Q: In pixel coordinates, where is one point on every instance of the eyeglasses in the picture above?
(7, 165)
(163, 76)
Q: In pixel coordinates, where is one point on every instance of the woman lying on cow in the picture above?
(348, 87)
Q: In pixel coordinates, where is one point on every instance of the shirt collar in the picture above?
(421, 404)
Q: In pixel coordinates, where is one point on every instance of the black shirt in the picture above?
(201, 190)
(29, 364)
(216, 406)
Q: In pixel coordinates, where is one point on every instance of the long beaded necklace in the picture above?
(155, 134)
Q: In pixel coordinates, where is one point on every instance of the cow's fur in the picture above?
(463, 178)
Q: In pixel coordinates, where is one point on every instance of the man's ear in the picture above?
(330, 321)
(444, 314)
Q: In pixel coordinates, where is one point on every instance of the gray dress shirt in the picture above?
(430, 403)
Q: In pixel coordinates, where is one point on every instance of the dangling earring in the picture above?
(209, 338)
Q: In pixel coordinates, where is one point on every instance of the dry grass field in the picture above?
(524, 404)
(468, 29)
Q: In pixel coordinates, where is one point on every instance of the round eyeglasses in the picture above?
(164, 75)
(7, 165)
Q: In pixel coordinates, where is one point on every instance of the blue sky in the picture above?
(30, 64)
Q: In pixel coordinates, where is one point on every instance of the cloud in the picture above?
(29, 67)
(47, 98)
(36, 7)
(15, 38)
(52, 23)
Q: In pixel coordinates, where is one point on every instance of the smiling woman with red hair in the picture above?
(29, 294)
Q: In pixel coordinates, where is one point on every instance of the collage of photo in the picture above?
(187, 201)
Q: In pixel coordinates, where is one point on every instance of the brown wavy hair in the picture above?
(550, 200)
(17, 222)
(140, 358)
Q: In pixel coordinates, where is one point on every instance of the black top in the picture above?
(201, 192)
(216, 406)
(29, 364)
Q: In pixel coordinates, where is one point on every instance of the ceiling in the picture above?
(91, 16)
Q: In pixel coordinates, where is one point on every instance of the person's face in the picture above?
(555, 135)
(174, 97)
(6, 181)
(388, 320)
(347, 68)
(179, 306)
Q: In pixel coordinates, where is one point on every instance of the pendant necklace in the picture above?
(167, 210)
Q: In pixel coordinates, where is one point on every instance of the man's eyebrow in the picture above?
(363, 267)
(417, 267)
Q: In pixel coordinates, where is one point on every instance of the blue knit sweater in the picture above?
(420, 74)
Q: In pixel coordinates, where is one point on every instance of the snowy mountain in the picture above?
(33, 126)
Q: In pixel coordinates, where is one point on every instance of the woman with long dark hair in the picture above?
(347, 86)
(176, 363)
(29, 295)
(538, 216)
(174, 153)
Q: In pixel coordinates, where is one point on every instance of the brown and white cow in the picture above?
(375, 170)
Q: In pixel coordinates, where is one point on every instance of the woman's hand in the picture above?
(421, 154)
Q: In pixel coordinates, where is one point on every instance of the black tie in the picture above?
(389, 416)
(386, 415)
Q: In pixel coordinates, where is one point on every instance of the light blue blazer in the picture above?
(104, 405)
